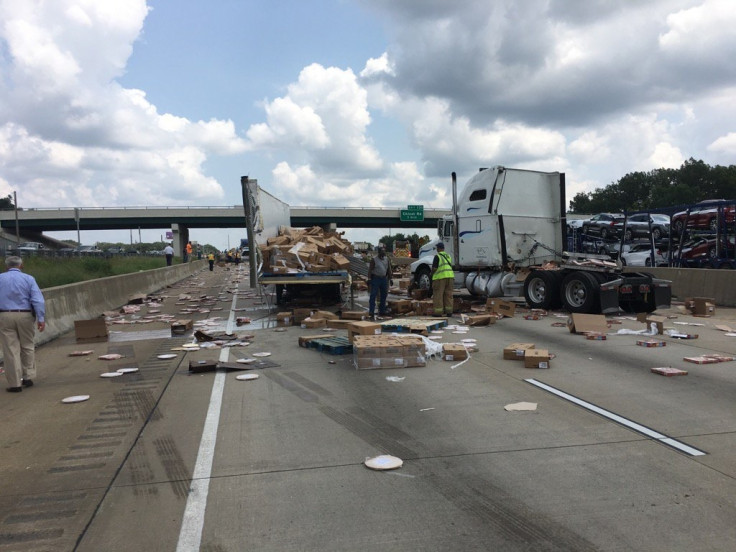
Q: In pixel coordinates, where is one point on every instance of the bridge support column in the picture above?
(181, 237)
(329, 227)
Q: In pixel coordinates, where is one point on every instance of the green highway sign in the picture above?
(407, 215)
(415, 207)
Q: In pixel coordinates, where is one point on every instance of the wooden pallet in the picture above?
(413, 325)
(334, 345)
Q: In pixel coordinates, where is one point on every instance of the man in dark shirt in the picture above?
(379, 275)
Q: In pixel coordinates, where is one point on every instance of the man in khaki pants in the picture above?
(443, 279)
(22, 310)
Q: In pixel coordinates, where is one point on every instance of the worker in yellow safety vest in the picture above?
(442, 282)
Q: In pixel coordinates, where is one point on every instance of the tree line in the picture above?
(660, 189)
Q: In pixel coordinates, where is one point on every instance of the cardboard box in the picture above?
(339, 262)
(400, 306)
(198, 366)
(90, 331)
(340, 324)
(327, 315)
(353, 315)
(310, 323)
(284, 318)
(384, 351)
(499, 306)
(373, 363)
(516, 351)
(582, 323)
(182, 326)
(300, 314)
(424, 307)
(363, 327)
(703, 306)
(480, 320)
(536, 358)
(454, 351)
(419, 294)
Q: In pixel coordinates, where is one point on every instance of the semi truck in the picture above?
(506, 235)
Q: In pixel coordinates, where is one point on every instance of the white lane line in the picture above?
(192, 524)
(644, 430)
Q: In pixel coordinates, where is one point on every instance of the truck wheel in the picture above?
(542, 289)
(422, 278)
(580, 292)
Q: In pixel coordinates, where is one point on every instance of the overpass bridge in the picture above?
(35, 221)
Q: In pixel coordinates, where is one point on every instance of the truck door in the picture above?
(478, 230)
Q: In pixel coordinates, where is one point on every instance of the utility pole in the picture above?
(249, 208)
(76, 219)
(17, 227)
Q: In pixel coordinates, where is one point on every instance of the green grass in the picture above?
(51, 271)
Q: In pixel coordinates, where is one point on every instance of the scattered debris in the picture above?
(650, 343)
(708, 359)
(384, 462)
(669, 371)
(111, 356)
(75, 399)
(520, 406)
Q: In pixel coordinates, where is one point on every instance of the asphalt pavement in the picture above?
(613, 457)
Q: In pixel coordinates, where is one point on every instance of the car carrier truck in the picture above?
(506, 234)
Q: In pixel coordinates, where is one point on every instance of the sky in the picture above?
(350, 102)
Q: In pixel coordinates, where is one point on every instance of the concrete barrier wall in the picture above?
(697, 282)
(84, 300)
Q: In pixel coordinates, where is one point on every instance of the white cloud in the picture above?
(325, 115)
(71, 135)
(725, 144)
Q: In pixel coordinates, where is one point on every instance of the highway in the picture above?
(163, 459)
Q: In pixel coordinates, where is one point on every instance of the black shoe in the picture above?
(14, 389)
(27, 383)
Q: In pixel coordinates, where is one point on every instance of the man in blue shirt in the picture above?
(22, 310)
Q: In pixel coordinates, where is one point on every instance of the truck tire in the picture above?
(580, 292)
(423, 278)
(542, 289)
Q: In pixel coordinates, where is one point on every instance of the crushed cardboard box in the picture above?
(701, 306)
(90, 331)
(182, 325)
(479, 319)
(583, 323)
(499, 306)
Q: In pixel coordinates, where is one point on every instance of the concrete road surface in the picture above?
(163, 459)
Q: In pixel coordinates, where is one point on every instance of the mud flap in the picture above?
(609, 300)
(662, 293)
